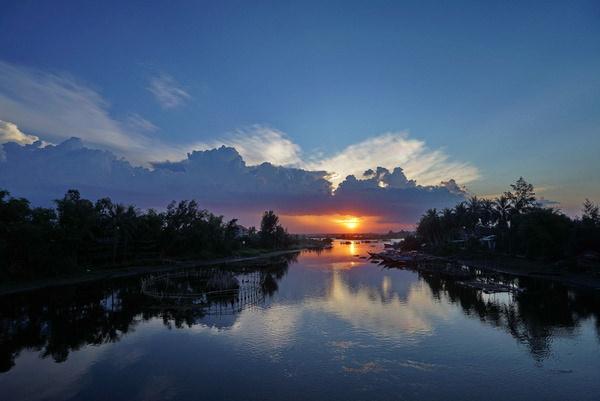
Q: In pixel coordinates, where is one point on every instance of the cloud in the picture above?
(390, 150)
(392, 196)
(138, 122)
(167, 91)
(219, 179)
(255, 168)
(405, 314)
(258, 144)
(548, 202)
(9, 132)
(56, 107)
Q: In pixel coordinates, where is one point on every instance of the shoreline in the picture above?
(531, 269)
(494, 264)
(79, 278)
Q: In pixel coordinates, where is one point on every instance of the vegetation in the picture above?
(514, 223)
(272, 234)
(79, 233)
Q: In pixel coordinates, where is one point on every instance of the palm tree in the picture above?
(475, 211)
(503, 211)
(502, 208)
(429, 227)
(461, 213)
(448, 223)
(487, 212)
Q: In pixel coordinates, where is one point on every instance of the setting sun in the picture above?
(349, 222)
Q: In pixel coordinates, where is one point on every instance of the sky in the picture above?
(479, 92)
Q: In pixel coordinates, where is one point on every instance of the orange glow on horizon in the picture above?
(338, 223)
(350, 222)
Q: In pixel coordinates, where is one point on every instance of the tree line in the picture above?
(79, 233)
(514, 223)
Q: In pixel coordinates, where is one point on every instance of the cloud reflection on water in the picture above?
(381, 311)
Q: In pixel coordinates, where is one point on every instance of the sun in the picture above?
(350, 222)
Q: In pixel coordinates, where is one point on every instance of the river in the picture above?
(320, 326)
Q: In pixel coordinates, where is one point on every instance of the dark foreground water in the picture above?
(326, 326)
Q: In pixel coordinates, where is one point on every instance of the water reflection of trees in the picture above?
(59, 321)
(316, 251)
(545, 309)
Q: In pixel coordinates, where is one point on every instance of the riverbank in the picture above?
(533, 269)
(90, 276)
(492, 264)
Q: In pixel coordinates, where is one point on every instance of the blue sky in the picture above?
(509, 88)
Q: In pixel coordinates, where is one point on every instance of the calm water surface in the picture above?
(327, 326)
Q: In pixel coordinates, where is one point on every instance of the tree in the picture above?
(448, 223)
(183, 233)
(591, 213)
(474, 209)
(27, 237)
(588, 228)
(502, 211)
(231, 233)
(281, 237)
(429, 227)
(76, 219)
(268, 228)
(80, 233)
(487, 212)
(117, 222)
(522, 196)
(543, 233)
(461, 213)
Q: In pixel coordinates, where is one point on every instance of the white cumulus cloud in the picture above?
(428, 167)
(259, 144)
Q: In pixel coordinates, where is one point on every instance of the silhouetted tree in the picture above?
(591, 213)
(502, 211)
(542, 233)
(76, 220)
(520, 224)
(80, 233)
(588, 228)
(522, 196)
(268, 228)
